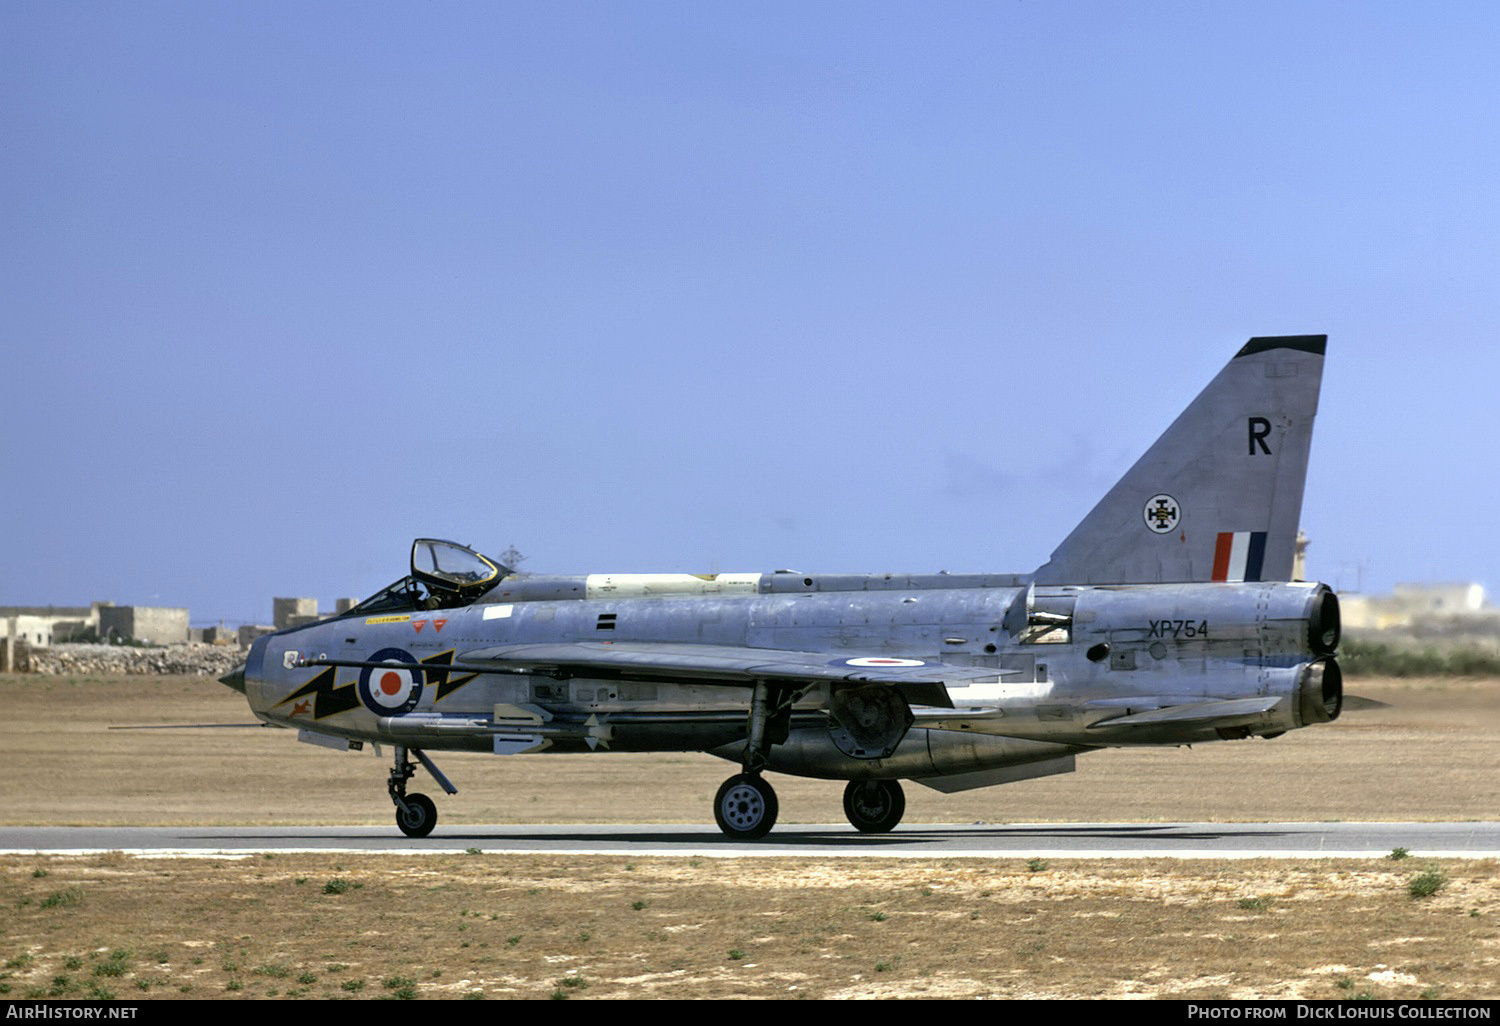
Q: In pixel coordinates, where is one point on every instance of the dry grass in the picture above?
(490, 926)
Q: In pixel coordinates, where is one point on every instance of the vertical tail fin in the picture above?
(1219, 496)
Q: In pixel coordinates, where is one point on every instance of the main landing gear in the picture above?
(874, 806)
(745, 807)
(416, 814)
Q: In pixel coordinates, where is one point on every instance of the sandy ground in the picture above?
(490, 926)
(1434, 754)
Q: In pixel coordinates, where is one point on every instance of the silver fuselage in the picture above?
(1075, 668)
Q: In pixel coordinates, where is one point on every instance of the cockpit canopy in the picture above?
(444, 574)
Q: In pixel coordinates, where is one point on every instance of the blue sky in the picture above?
(719, 286)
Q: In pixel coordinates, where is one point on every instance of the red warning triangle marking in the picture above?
(419, 624)
(438, 625)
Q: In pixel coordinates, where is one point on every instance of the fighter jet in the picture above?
(1167, 617)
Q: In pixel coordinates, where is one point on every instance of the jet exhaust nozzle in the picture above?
(1320, 692)
(1324, 623)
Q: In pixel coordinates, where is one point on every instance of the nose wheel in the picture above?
(417, 817)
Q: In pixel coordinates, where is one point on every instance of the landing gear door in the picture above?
(454, 574)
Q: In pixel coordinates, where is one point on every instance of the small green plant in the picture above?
(638, 905)
(877, 917)
(352, 986)
(573, 983)
(63, 899)
(1397, 854)
(473, 851)
(114, 965)
(1426, 884)
(38, 873)
(338, 885)
(1036, 865)
(306, 976)
(735, 954)
(1255, 903)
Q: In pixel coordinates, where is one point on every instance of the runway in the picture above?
(1027, 840)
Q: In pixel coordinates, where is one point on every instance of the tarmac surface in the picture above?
(1049, 840)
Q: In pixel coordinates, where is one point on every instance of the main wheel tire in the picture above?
(874, 806)
(745, 807)
(419, 816)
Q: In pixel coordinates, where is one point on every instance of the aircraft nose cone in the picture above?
(235, 678)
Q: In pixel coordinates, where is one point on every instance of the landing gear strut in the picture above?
(416, 814)
(874, 806)
(745, 807)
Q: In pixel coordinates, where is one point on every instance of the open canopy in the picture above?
(443, 574)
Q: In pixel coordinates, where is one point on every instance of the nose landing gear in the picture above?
(416, 814)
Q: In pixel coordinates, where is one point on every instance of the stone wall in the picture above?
(187, 660)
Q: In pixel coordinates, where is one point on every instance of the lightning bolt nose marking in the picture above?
(328, 698)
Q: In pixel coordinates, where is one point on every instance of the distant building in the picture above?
(247, 634)
(219, 635)
(1412, 604)
(291, 612)
(154, 625)
(24, 627)
(47, 625)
